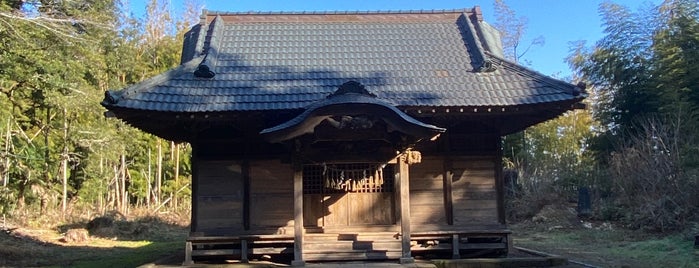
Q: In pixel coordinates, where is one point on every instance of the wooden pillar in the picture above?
(404, 204)
(245, 170)
(455, 246)
(500, 184)
(194, 223)
(244, 251)
(188, 254)
(298, 216)
(447, 178)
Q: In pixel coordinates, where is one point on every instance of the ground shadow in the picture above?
(128, 244)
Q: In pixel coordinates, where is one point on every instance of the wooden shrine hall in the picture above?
(323, 136)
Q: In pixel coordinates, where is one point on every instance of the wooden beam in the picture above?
(404, 204)
(298, 215)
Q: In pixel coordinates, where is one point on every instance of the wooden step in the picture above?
(215, 252)
(350, 237)
(352, 255)
(352, 245)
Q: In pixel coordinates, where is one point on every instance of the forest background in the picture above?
(634, 150)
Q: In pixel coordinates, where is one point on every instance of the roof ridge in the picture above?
(482, 63)
(216, 29)
(536, 75)
(358, 12)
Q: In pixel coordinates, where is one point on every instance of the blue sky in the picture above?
(560, 22)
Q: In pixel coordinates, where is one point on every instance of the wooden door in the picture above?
(356, 194)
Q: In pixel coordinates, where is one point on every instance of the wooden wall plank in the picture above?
(337, 210)
(271, 194)
(385, 211)
(270, 176)
(474, 193)
(370, 208)
(271, 210)
(427, 192)
(427, 175)
(313, 210)
(219, 197)
(426, 197)
(360, 208)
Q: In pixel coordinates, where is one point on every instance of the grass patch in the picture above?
(130, 254)
(613, 248)
(670, 251)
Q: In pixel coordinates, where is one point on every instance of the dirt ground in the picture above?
(555, 230)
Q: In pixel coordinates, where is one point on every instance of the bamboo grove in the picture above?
(635, 146)
(58, 150)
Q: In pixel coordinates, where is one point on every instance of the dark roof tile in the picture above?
(290, 60)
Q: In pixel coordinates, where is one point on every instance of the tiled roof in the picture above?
(270, 61)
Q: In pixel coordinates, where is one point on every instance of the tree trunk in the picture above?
(117, 191)
(122, 174)
(177, 173)
(64, 164)
(47, 156)
(149, 193)
(159, 173)
(6, 171)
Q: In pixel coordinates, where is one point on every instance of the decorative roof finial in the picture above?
(351, 87)
(204, 72)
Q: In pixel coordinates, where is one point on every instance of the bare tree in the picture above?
(512, 30)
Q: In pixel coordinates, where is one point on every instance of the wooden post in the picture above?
(245, 170)
(188, 254)
(455, 246)
(447, 180)
(298, 216)
(404, 204)
(244, 251)
(195, 188)
(500, 184)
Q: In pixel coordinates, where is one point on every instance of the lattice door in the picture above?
(348, 194)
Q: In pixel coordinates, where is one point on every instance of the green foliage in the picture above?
(619, 66)
(551, 161)
(56, 60)
(645, 75)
